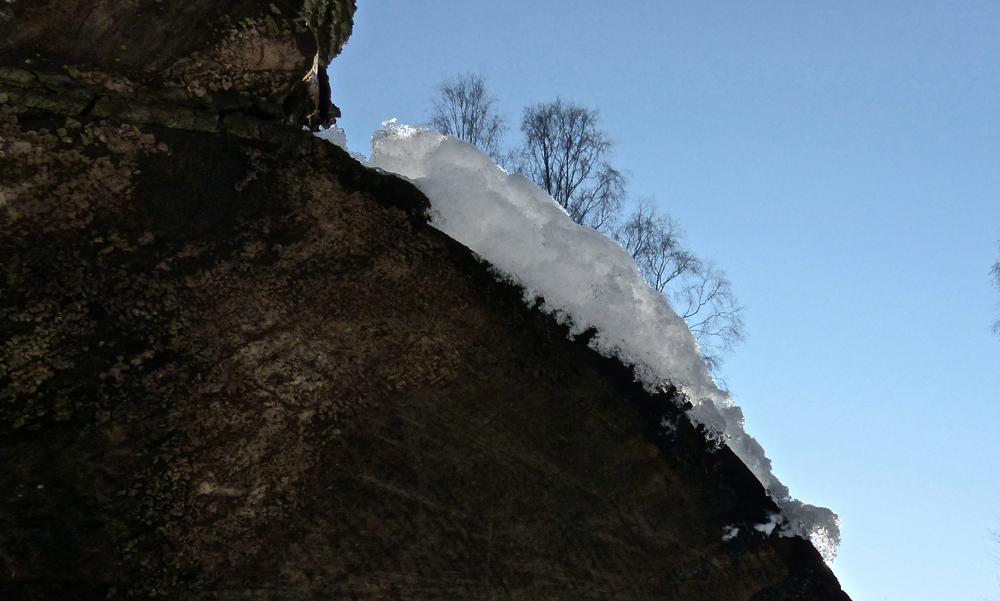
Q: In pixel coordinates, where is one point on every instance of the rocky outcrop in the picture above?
(236, 364)
(203, 64)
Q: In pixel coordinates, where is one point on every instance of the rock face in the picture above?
(235, 364)
(199, 64)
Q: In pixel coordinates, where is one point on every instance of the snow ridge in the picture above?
(587, 281)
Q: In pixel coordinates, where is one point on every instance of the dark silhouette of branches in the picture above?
(465, 108)
(565, 153)
(995, 272)
(699, 292)
(707, 302)
(654, 243)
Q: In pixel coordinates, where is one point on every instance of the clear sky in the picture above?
(841, 161)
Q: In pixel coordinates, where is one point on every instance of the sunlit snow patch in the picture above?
(333, 134)
(768, 527)
(338, 137)
(587, 281)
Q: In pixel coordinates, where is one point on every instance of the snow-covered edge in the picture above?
(587, 281)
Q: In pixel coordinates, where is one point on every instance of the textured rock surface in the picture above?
(187, 64)
(235, 364)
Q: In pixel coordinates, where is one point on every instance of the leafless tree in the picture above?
(565, 153)
(699, 292)
(706, 301)
(654, 241)
(995, 272)
(465, 108)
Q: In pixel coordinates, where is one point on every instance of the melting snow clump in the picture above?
(729, 533)
(768, 527)
(333, 134)
(587, 281)
(338, 137)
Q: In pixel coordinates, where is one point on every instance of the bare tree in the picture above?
(465, 108)
(706, 301)
(654, 241)
(995, 272)
(565, 153)
(699, 292)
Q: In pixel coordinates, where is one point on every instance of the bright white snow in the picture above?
(586, 280)
(333, 134)
(338, 137)
(768, 527)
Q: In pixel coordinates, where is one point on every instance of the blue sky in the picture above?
(841, 161)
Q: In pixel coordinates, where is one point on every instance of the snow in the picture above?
(768, 527)
(585, 280)
(338, 137)
(333, 134)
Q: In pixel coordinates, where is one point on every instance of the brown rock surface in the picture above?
(238, 365)
(181, 64)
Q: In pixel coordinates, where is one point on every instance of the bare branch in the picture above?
(995, 272)
(564, 151)
(465, 108)
(700, 293)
